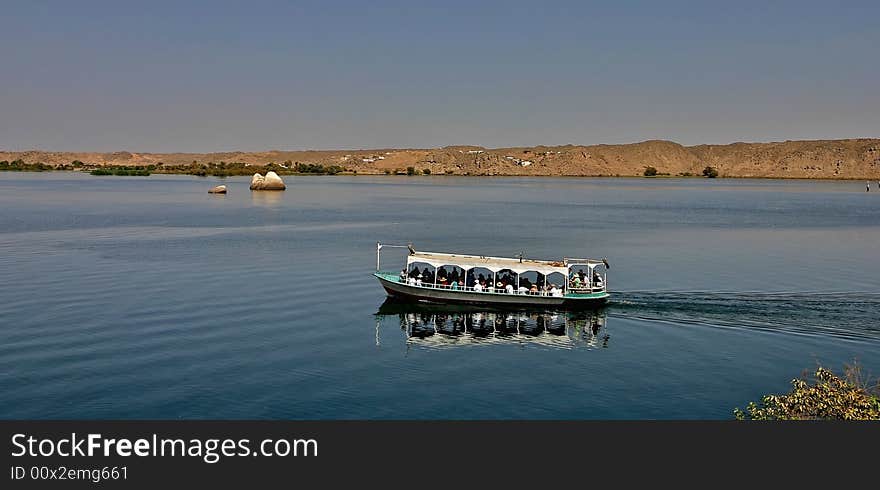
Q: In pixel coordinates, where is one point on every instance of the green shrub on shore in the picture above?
(227, 169)
(124, 171)
(312, 168)
(20, 166)
(221, 169)
(828, 397)
(710, 172)
(650, 171)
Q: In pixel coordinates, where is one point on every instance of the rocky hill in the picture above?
(820, 159)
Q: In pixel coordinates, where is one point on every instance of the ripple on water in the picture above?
(846, 315)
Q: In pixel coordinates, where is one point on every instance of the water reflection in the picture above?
(440, 326)
(267, 199)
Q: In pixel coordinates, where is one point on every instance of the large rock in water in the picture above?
(271, 182)
(220, 189)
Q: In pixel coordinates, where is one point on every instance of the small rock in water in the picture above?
(220, 189)
(271, 182)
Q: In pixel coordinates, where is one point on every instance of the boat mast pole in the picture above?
(379, 246)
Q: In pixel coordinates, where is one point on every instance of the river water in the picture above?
(148, 298)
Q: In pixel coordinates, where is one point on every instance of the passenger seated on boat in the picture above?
(597, 279)
(403, 275)
(576, 282)
(454, 285)
(419, 280)
(554, 291)
(533, 289)
(508, 288)
(522, 290)
(478, 287)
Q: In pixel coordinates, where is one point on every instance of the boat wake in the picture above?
(847, 315)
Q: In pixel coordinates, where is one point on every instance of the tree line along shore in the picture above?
(814, 159)
(223, 169)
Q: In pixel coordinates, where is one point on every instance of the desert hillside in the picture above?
(821, 159)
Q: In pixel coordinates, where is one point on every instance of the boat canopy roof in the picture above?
(496, 264)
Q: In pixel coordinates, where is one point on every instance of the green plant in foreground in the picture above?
(829, 397)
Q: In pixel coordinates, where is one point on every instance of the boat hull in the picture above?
(411, 293)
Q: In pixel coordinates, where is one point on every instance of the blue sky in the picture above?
(214, 76)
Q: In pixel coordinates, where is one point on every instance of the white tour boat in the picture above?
(433, 277)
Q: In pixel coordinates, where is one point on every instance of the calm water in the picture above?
(149, 298)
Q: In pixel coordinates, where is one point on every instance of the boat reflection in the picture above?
(440, 326)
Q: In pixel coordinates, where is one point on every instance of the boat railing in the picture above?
(489, 289)
(586, 290)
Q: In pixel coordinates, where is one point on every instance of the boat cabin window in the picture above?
(451, 276)
(583, 277)
(505, 281)
(420, 273)
(479, 278)
(531, 282)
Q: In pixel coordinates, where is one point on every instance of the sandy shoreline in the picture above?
(848, 159)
